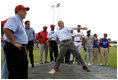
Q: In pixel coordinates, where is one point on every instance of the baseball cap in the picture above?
(3, 22)
(18, 7)
(89, 31)
(45, 27)
(95, 35)
(52, 25)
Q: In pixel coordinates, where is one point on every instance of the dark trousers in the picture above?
(67, 57)
(64, 47)
(53, 48)
(17, 61)
(29, 47)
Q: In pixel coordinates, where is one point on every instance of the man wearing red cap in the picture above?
(53, 44)
(42, 36)
(15, 44)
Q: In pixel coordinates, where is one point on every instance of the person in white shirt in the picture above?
(77, 37)
(88, 46)
(53, 44)
(66, 44)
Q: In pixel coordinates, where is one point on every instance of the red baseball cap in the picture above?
(21, 7)
(52, 25)
(45, 27)
(3, 22)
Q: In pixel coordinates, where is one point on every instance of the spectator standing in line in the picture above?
(31, 38)
(42, 36)
(53, 44)
(95, 49)
(104, 49)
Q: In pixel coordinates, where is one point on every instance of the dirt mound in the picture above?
(72, 71)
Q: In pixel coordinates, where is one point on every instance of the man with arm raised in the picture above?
(67, 44)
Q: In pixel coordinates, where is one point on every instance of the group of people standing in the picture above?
(18, 40)
(92, 46)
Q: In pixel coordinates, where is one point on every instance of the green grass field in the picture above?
(112, 57)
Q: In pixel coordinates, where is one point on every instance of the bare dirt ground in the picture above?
(72, 71)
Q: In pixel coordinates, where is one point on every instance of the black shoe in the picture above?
(68, 62)
(71, 62)
(32, 65)
(78, 63)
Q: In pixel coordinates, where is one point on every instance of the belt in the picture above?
(24, 45)
(65, 40)
(78, 41)
(53, 40)
(104, 47)
(31, 41)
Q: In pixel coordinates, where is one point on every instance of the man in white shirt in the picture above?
(67, 44)
(77, 37)
(53, 44)
(88, 46)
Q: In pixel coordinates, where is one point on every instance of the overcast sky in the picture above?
(100, 16)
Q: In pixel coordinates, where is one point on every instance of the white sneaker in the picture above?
(92, 64)
(52, 62)
(86, 63)
(101, 64)
(89, 64)
(107, 64)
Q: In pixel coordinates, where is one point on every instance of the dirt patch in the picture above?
(72, 71)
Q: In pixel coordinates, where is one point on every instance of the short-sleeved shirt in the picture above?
(89, 42)
(104, 43)
(50, 33)
(42, 36)
(30, 33)
(64, 33)
(72, 34)
(78, 36)
(95, 44)
(15, 24)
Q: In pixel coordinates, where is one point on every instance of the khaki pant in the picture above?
(42, 48)
(95, 55)
(104, 52)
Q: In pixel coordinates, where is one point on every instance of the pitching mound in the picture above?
(72, 71)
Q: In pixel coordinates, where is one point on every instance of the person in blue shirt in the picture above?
(104, 49)
(95, 49)
(31, 38)
(15, 44)
(66, 44)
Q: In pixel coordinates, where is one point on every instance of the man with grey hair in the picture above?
(67, 44)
